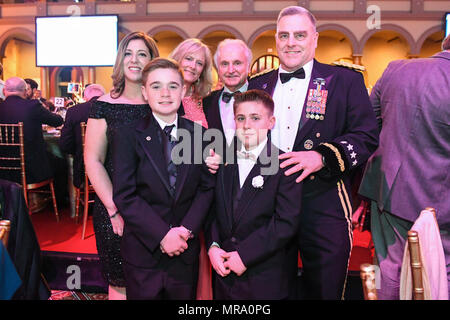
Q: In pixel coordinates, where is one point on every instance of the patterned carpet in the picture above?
(76, 295)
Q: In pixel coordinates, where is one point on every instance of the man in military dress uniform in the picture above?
(327, 127)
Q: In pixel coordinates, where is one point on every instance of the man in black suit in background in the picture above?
(70, 141)
(31, 89)
(16, 108)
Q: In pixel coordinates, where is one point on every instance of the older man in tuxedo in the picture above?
(232, 60)
(16, 108)
(407, 172)
(70, 140)
(327, 128)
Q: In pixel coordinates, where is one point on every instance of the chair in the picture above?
(11, 140)
(86, 189)
(265, 62)
(5, 227)
(416, 265)
(368, 278)
(423, 271)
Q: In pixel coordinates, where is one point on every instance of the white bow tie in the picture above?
(246, 155)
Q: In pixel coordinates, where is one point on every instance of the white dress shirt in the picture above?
(289, 98)
(227, 114)
(246, 165)
(163, 124)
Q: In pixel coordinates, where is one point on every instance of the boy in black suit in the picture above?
(252, 248)
(163, 202)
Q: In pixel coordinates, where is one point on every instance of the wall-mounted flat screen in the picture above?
(76, 40)
(447, 24)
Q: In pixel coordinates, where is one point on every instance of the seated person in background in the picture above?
(252, 244)
(70, 141)
(49, 105)
(32, 87)
(16, 108)
(163, 202)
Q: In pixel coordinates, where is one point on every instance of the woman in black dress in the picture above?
(123, 105)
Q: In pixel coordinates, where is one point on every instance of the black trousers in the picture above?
(325, 241)
(170, 279)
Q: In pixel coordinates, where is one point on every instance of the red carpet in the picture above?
(65, 236)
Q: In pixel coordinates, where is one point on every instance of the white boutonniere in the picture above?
(258, 182)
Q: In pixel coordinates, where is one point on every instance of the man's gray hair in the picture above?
(15, 84)
(248, 52)
(296, 10)
(93, 90)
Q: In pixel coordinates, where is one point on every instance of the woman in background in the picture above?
(123, 105)
(195, 60)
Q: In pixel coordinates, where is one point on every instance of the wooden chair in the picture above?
(86, 189)
(416, 265)
(5, 227)
(416, 261)
(367, 274)
(11, 139)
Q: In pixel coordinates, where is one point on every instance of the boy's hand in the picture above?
(173, 242)
(234, 262)
(215, 256)
(185, 233)
(213, 161)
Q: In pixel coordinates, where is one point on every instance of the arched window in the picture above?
(265, 62)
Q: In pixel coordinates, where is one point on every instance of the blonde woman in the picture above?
(123, 105)
(194, 58)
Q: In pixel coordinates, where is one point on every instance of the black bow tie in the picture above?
(226, 96)
(285, 77)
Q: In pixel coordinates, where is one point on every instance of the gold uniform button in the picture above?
(312, 177)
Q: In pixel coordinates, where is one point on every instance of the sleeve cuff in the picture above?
(214, 244)
(334, 158)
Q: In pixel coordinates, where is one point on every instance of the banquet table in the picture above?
(51, 138)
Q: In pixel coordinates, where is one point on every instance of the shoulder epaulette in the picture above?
(349, 65)
(261, 73)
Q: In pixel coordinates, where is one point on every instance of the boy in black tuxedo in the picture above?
(252, 248)
(163, 202)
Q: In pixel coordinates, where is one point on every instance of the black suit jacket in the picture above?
(261, 229)
(211, 108)
(70, 140)
(141, 191)
(31, 112)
